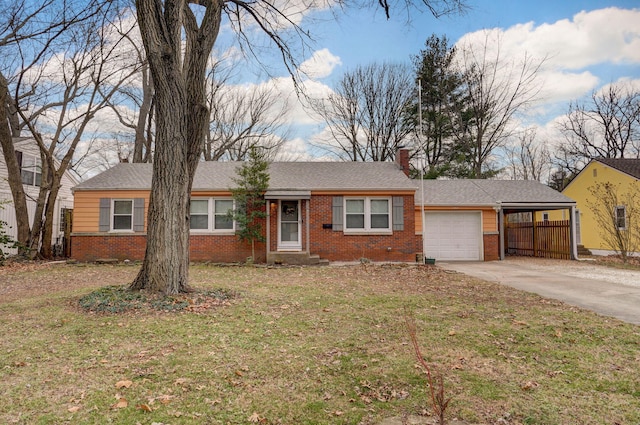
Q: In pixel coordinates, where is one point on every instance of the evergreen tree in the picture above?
(440, 84)
(249, 203)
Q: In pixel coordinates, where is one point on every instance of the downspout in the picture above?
(501, 230)
(422, 216)
(306, 203)
(268, 236)
(574, 242)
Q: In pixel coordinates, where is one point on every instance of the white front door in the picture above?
(289, 228)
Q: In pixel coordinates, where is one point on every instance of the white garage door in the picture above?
(453, 235)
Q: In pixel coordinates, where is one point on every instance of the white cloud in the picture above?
(569, 47)
(610, 35)
(320, 65)
(558, 86)
(285, 14)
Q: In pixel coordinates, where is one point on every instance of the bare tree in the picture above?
(606, 126)
(242, 118)
(365, 112)
(617, 213)
(139, 94)
(89, 73)
(495, 90)
(30, 34)
(528, 158)
(178, 44)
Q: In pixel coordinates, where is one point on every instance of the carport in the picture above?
(537, 237)
(483, 220)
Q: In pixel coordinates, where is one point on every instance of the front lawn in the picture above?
(308, 346)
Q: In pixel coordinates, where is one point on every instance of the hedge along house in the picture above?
(336, 211)
(470, 220)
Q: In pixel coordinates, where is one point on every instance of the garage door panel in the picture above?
(453, 235)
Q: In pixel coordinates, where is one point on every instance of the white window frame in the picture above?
(622, 208)
(367, 215)
(113, 215)
(35, 169)
(208, 214)
(214, 213)
(545, 217)
(211, 216)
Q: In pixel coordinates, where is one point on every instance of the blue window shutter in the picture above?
(105, 215)
(398, 213)
(138, 215)
(337, 213)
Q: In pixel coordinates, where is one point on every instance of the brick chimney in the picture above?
(402, 160)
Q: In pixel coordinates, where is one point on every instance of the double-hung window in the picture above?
(367, 215)
(221, 209)
(621, 217)
(211, 215)
(31, 170)
(199, 214)
(122, 215)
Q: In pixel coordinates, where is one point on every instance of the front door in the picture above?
(289, 229)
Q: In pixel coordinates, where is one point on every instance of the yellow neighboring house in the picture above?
(624, 176)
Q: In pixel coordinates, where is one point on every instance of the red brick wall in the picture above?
(216, 248)
(329, 244)
(98, 246)
(336, 246)
(491, 243)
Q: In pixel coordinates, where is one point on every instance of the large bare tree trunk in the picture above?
(182, 119)
(13, 168)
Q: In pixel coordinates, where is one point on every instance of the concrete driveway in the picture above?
(606, 291)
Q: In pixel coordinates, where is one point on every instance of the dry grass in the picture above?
(308, 346)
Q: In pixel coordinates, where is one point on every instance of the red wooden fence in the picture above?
(546, 239)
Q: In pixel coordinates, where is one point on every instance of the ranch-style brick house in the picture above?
(328, 211)
(316, 211)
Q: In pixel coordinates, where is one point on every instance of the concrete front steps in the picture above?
(296, 258)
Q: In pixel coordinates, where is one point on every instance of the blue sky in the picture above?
(364, 36)
(588, 43)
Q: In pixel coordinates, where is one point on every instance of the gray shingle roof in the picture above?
(343, 176)
(625, 165)
(488, 193)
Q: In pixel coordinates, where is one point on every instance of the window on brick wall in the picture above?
(367, 215)
(211, 215)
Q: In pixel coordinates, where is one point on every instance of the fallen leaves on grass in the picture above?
(381, 392)
(119, 299)
(124, 384)
(529, 385)
(121, 403)
(257, 419)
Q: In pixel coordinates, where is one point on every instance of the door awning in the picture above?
(287, 194)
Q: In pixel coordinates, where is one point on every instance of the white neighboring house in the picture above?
(31, 171)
